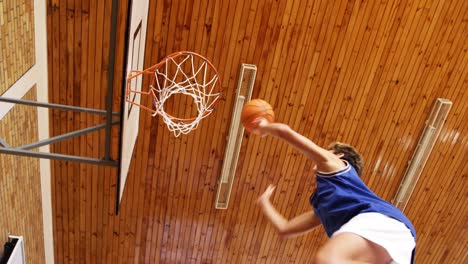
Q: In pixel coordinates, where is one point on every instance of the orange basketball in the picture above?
(254, 109)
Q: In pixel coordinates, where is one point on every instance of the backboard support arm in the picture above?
(25, 150)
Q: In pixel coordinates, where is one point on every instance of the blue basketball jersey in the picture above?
(342, 195)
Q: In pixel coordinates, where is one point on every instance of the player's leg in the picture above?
(351, 248)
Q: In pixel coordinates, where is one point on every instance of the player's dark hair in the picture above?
(351, 155)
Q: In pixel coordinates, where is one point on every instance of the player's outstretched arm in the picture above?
(286, 228)
(326, 161)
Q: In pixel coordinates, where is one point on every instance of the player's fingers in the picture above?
(259, 122)
(270, 189)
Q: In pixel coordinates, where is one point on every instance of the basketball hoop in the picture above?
(183, 72)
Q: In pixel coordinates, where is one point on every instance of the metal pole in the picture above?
(55, 156)
(56, 106)
(110, 77)
(3, 143)
(64, 136)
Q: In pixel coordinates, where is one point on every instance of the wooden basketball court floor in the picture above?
(363, 72)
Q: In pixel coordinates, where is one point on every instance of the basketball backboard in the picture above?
(130, 114)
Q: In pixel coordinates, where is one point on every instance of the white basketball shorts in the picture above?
(387, 232)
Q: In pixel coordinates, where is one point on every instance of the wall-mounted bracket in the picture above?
(25, 150)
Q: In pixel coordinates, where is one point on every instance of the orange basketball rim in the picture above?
(182, 72)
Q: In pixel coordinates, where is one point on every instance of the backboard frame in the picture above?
(135, 40)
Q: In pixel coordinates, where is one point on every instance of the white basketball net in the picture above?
(190, 75)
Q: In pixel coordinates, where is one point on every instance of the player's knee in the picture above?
(325, 256)
(320, 258)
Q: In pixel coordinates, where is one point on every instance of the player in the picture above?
(362, 227)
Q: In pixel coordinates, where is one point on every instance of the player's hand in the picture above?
(265, 197)
(260, 127)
